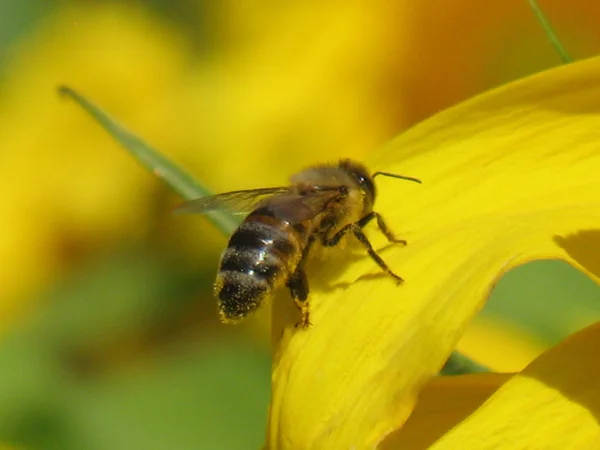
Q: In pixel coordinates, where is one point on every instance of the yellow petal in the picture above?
(553, 404)
(509, 176)
(499, 345)
(443, 403)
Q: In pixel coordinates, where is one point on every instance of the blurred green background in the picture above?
(110, 338)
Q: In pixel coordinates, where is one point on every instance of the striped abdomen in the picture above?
(262, 253)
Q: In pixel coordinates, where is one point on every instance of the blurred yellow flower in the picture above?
(297, 82)
(509, 177)
(68, 189)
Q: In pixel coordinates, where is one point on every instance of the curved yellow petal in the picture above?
(499, 345)
(443, 403)
(509, 176)
(553, 404)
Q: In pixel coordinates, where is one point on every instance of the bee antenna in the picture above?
(401, 177)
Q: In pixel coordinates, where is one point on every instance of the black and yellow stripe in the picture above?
(261, 254)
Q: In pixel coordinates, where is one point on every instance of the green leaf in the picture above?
(541, 17)
(179, 180)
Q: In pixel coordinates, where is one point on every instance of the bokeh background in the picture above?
(109, 337)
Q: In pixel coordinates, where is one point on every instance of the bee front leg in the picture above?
(364, 240)
(298, 285)
(356, 229)
(383, 227)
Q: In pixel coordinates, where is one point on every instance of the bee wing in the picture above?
(300, 207)
(237, 202)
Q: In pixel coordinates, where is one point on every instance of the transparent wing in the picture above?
(237, 202)
(300, 207)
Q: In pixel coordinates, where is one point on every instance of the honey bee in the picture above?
(321, 205)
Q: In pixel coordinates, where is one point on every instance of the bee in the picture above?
(269, 249)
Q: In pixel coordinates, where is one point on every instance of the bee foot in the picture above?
(304, 310)
(304, 323)
(399, 280)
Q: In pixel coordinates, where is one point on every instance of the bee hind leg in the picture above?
(298, 285)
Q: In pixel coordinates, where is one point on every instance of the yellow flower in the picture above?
(551, 404)
(508, 177)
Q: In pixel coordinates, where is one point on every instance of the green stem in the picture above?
(179, 180)
(541, 17)
(459, 364)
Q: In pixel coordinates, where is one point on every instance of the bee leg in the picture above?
(381, 225)
(364, 240)
(298, 285)
(356, 229)
(383, 228)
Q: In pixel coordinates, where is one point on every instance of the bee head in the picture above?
(363, 179)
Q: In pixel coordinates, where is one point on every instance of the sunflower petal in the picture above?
(508, 177)
(553, 404)
(443, 403)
